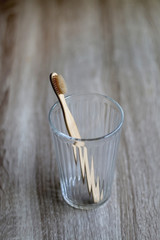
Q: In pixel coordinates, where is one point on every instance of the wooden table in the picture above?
(110, 47)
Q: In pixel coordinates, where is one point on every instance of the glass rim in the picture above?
(67, 137)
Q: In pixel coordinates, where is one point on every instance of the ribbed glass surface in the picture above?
(99, 120)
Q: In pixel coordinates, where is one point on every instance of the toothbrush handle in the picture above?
(69, 120)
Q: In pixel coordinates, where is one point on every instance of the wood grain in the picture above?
(108, 46)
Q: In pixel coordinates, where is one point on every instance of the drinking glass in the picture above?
(99, 120)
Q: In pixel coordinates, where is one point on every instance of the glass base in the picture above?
(81, 206)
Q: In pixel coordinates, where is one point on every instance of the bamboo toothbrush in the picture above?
(60, 89)
(59, 86)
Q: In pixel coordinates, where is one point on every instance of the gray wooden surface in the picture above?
(110, 47)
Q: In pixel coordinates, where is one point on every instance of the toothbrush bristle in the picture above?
(58, 83)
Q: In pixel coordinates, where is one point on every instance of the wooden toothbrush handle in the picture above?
(84, 163)
(69, 120)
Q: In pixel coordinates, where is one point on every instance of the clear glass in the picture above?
(99, 120)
